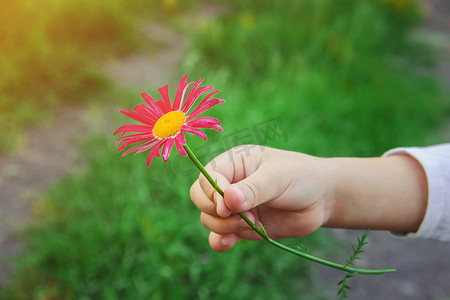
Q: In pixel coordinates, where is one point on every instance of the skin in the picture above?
(293, 194)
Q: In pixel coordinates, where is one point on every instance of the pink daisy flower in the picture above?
(164, 123)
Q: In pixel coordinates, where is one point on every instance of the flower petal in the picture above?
(180, 141)
(189, 96)
(146, 147)
(182, 88)
(126, 141)
(141, 147)
(199, 122)
(133, 128)
(197, 132)
(137, 116)
(206, 122)
(152, 104)
(167, 148)
(163, 107)
(190, 100)
(207, 97)
(166, 99)
(204, 106)
(148, 112)
(154, 152)
(180, 138)
(138, 137)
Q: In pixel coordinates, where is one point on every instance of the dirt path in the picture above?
(141, 70)
(47, 155)
(437, 27)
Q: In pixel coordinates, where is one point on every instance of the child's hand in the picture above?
(293, 194)
(289, 193)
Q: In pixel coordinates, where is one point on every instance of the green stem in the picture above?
(264, 235)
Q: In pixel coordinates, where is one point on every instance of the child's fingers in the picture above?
(221, 209)
(232, 224)
(222, 243)
(201, 200)
(236, 164)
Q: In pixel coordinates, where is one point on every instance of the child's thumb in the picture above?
(249, 193)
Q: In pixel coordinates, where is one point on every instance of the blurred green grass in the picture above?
(344, 76)
(326, 77)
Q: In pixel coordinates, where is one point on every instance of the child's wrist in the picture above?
(356, 190)
(333, 203)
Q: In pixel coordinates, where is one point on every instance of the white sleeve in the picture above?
(435, 161)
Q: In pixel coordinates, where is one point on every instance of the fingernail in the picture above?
(241, 195)
(224, 242)
(217, 197)
(218, 207)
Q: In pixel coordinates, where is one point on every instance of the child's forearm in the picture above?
(387, 193)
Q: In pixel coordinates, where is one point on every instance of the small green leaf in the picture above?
(263, 229)
(357, 249)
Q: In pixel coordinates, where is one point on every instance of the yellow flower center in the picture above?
(169, 124)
